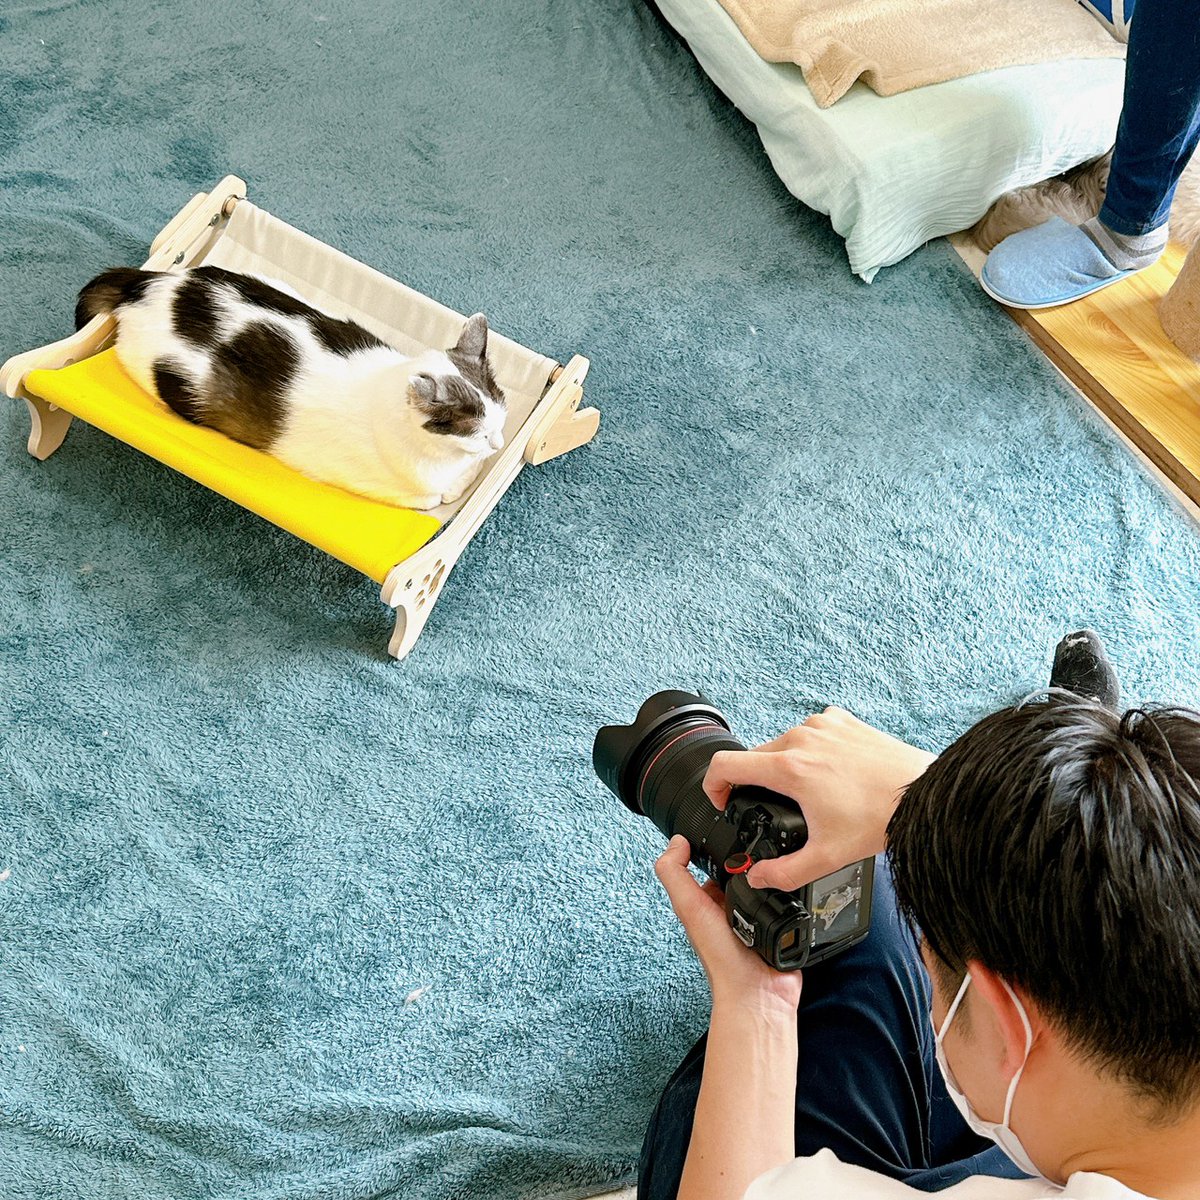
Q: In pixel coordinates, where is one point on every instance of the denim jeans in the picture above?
(1160, 123)
(868, 1087)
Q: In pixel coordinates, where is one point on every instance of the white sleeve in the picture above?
(824, 1177)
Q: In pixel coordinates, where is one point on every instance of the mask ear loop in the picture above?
(962, 991)
(1012, 1087)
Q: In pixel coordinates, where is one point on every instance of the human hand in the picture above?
(736, 975)
(845, 775)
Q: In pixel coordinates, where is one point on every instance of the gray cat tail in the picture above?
(109, 290)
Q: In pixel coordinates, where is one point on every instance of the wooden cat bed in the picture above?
(408, 553)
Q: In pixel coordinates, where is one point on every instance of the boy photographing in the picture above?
(1023, 1020)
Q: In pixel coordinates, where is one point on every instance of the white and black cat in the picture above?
(240, 355)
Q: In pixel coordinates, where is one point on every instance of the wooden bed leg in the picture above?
(555, 426)
(50, 425)
(413, 586)
(410, 621)
(178, 245)
(1179, 309)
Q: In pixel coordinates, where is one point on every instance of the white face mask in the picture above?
(998, 1131)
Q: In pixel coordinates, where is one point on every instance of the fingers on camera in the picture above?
(717, 783)
(677, 851)
(785, 874)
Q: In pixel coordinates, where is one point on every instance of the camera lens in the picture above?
(656, 766)
(670, 787)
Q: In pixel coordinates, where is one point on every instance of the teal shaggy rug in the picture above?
(281, 918)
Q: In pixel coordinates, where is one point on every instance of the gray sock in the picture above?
(1127, 252)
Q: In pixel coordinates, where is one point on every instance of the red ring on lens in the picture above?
(650, 766)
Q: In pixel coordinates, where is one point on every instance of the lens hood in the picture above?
(618, 750)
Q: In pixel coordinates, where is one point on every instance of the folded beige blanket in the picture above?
(897, 45)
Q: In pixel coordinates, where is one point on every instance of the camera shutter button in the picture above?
(738, 864)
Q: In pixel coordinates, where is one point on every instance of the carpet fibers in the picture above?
(280, 918)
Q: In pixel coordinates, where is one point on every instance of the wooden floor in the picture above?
(1112, 347)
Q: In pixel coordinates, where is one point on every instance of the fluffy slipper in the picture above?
(1053, 263)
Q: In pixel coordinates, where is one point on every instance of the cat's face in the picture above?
(457, 394)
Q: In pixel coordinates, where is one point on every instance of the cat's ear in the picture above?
(473, 342)
(422, 390)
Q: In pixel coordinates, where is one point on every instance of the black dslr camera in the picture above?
(656, 767)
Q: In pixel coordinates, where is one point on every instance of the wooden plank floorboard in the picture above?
(1113, 349)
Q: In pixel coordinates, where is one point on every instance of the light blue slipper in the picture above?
(1053, 263)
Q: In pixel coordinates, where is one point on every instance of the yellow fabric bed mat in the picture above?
(369, 536)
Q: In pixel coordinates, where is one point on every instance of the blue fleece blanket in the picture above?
(283, 919)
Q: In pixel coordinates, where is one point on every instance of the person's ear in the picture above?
(994, 996)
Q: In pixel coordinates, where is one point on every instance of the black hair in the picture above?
(1058, 844)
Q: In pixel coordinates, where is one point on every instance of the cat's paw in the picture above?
(421, 503)
(468, 482)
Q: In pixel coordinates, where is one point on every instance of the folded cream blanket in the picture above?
(897, 45)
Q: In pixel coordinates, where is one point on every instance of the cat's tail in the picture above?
(108, 290)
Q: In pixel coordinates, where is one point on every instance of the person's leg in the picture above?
(867, 1084)
(1160, 122)
(1159, 129)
